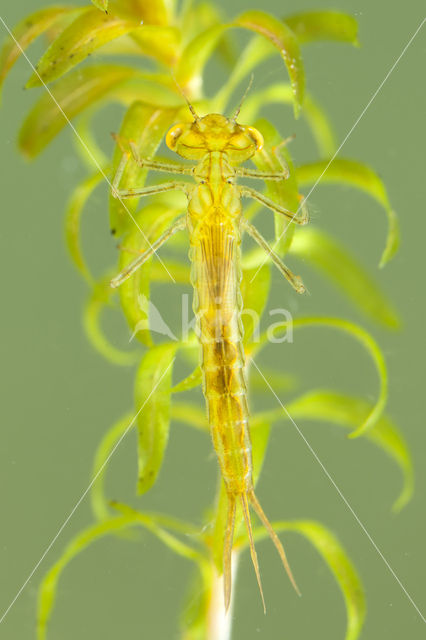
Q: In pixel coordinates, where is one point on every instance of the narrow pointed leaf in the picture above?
(190, 382)
(74, 93)
(145, 11)
(49, 585)
(367, 342)
(318, 122)
(134, 293)
(27, 31)
(338, 562)
(131, 518)
(359, 175)
(88, 148)
(256, 51)
(320, 125)
(170, 540)
(101, 4)
(284, 192)
(106, 447)
(279, 381)
(97, 302)
(195, 56)
(179, 271)
(72, 222)
(327, 254)
(255, 296)
(259, 435)
(190, 415)
(311, 26)
(146, 126)
(161, 43)
(283, 38)
(87, 33)
(153, 397)
(349, 412)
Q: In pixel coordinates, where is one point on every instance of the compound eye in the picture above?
(256, 136)
(172, 136)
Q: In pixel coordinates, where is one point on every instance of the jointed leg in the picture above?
(144, 191)
(295, 281)
(293, 217)
(269, 175)
(242, 172)
(179, 225)
(157, 165)
(146, 163)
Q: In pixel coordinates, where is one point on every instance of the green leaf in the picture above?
(192, 381)
(190, 415)
(257, 50)
(80, 39)
(255, 296)
(153, 397)
(151, 521)
(338, 562)
(282, 93)
(99, 299)
(131, 518)
(349, 412)
(49, 585)
(259, 434)
(311, 26)
(359, 175)
(320, 125)
(282, 191)
(161, 43)
(326, 254)
(179, 271)
(195, 56)
(278, 380)
(73, 93)
(367, 342)
(146, 126)
(135, 291)
(195, 611)
(90, 152)
(72, 222)
(27, 31)
(145, 11)
(101, 4)
(106, 448)
(339, 27)
(283, 38)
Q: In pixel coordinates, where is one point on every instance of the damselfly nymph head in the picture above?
(214, 132)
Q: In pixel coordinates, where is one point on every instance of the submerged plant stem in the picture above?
(220, 621)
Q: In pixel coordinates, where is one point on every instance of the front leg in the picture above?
(145, 191)
(242, 172)
(269, 175)
(293, 217)
(147, 163)
(158, 165)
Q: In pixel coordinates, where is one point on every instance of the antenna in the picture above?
(190, 107)
(237, 113)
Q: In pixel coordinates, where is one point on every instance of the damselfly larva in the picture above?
(217, 146)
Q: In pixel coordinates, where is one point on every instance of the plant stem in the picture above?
(219, 625)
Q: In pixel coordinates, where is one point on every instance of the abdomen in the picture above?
(215, 256)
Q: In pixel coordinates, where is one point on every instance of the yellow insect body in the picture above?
(215, 224)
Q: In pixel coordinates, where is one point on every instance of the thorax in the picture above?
(215, 196)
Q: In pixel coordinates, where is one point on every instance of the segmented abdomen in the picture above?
(215, 255)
